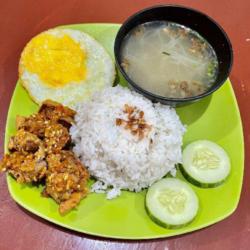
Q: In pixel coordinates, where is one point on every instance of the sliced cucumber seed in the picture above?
(205, 164)
(173, 200)
(171, 203)
(205, 159)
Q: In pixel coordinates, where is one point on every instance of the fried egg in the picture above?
(66, 66)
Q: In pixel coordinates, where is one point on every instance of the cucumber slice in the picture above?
(205, 164)
(171, 203)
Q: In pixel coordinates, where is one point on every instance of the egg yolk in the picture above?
(57, 60)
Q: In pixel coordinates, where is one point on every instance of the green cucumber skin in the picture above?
(197, 183)
(165, 225)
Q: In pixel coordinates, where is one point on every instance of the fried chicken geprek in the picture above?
(40, 150)
(66, 180)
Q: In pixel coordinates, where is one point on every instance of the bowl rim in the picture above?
(212, 89)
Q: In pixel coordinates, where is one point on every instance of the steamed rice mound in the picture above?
(115, 156)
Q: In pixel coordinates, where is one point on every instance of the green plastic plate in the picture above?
(215, 118)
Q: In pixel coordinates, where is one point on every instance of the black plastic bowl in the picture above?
(188, 17)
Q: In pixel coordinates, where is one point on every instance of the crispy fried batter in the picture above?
(72, 202)
(34, 124)
(66, 180)
(24, 141)
(36, 152)
(25, 167)
(28, 163)
(56, 112)
(56, 138)
(49, 113)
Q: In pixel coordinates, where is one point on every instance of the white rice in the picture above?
(115, 157)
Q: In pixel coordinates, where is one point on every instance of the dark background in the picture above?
(19, 21)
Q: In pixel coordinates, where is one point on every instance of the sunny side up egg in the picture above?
(66, 66)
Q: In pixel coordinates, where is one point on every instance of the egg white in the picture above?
(100, 73)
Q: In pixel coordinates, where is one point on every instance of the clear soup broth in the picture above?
(169, 59)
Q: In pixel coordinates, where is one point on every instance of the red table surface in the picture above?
(21, 20)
